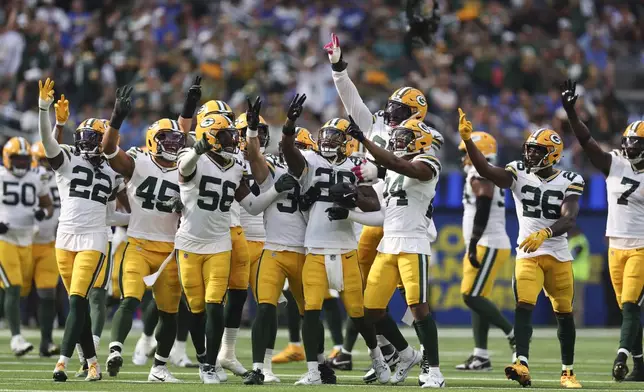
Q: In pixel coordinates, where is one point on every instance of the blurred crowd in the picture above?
(500, 60)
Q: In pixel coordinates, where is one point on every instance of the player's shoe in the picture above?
(254, 377)
(49, 350)
(391, 357)
(637, 374)
(82, 371)
(207, 374)
(327, 374)
(94, 372)
(292, 353)
(161, 373)
(519, 373)
(620, 369)
(114, 363)
(20, 346)
(231, 363)
(312, 377)
(221, 373)
(179, 357)
(424, 369)
(475, 363)
(434, 379)
(569, 380)
(60, 374)
(270, 377)
(404, 366)
(143, 350)
(342, 361)
(334, 353)
(381, 370)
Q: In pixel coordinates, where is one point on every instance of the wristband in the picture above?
(112, 155)
(252, 133)
(382, 172)
(340, 66)
(60, 124)
(115, 123)
(189, 108)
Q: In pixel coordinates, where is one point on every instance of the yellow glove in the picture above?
(534, 240)
(464, 126)
(46, 94)
(62, 110)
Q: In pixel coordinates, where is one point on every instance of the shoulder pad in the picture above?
(430, 160)
(616, 153)
(134, 151)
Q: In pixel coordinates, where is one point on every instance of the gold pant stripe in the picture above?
(121, 270)
(484, 271)
(5, 279)
(108, 268)
(97, 272)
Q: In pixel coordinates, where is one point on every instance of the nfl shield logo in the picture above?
(332, 257)
(185, 255)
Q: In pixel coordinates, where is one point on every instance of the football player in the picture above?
(25, 201)
(488, 248)
(404, 251)
(85, 184)
(153, 190)
(624, 171)
(331, 260)
(547, 201)
(210, 178)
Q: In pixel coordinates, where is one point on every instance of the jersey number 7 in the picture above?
(623, 199)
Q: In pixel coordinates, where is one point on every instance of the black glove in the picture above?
(568, 96)
(202, 146)
(307, 199)
(174, 204)
(337, 213)
(40, 214)
(296, 107)
(3, 228)
(285, 183)
(422, 27)
(192, 99)
(471, 253)
(344, 194)
(354, 131)
(252, 113)
(122, 106)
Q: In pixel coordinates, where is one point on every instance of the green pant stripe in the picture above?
(478, 274)
(99, 266)
(514, 288)
(259, 265)
(5, 279)
(422, 284)
(121, 270)
(484, 271)
(640, 299)
(108, 268)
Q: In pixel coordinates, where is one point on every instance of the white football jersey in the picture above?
(408, 210)
(149, 186)
(494, 235)
(322, 235)
(538, 205)
(625, 199)
(253, 225)
(20, 200)
(84, 192)
(207, 198)
(47, 227)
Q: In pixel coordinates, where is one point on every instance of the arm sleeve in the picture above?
(52, 148)
(255, 205)
(352, 101)
(115, 218)
(375, 218)
(188, 159)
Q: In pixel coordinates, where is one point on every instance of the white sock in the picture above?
(147, 338)
(566, 367)
(422, 348)
(298, 344)
(435, 369)
(63, 359)
(522, 358)
(375, 353)
(312, 366)
(406, 353)
(228, 341)
(79, 350)
(258, 365)
(92, 360)
(97, 342)
(179, 347)
(625, 351)
(638, 356)
(116, 344)
(268, 359)
(337, 347)
(382, 341)
(343, 351)
(481, 352)
(511, 334)
(321, 358)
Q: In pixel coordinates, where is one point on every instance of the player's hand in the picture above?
(471, 253)
(568, 95)
(122, 106)
(40, 214)
(354, 130)
(344, 194)
(295, 108)
(202, 146)
(307, 199)
(3, 228)
(422, 27)
(335, 54)
(252, 113)
(366, 172)
(45, 94)
(174, 204)
(534, 240)
(192, 98)
(464, 126)
(337, 213)
(286, 182)
(62, 110)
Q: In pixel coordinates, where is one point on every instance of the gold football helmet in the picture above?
(633, 142)
(411, 137)
(16, 156)
(88, 138)
(485, 142)
(214, 107)
(333, 139)
(262, 129)
(404, 104)
(221, 133)
(38, 157)
(164, 139)
(542, 149)
(304, 139)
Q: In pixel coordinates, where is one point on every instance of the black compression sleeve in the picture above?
(483, 206)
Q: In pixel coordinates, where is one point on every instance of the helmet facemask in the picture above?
(227, 142)
(168, 144)
(331, 143)
(88, 142)
(535, 157)
(633, 149)
(400, 140)
(263, 136)
(20, 164)
(396, 113)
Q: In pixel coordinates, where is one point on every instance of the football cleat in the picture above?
(334, 353)
(94, 372)
(475, 363)
(207, 374)
(143, 350)
(569, 380)
(342, 361)
(620, 369)
(114, 363)
(312, 377)
(254, 377)
(161, 373)
(434, 379)
(637, 374)
(424, 369)
(292, 353)
(327, 374)
(232, 364)
(518, 372)
(404, 366)
(221, 373)
(270, 377)
(49, 350)
(381, 370)
(391, 357)
(20, 346)
(60, 374)
(82, 371)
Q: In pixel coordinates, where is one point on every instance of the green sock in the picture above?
(630, 325)
(86, 340)
(488, 312)
(214, 330)
(388, 328)
(311, 334)
(150, 317)
(320, 337)
(294, 318)
(567, 334)
(273, 331)
(78, 309)
(165, 335)
(46, 314)
(333, 319)
(98, 309)
(262, 330)
(122, 320)
(12, 308)
(198, 332)
(428, 336)
(1, 304)
(480, 328)
(523, 330)
(367, 330)
(184, 320)
(350, 335)
(234, 307)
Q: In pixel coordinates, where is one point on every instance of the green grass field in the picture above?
(594, 355)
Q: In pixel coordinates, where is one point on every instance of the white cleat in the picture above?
(404, 366)
(434, 379)
(161, 374)
(270, 377)
(144, 347)
(383, 373)
(207, 374)
(231, 363)
(20, 346)
(312, 377)
(180, 360)
(221, 373)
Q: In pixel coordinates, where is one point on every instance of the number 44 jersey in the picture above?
(538, 205)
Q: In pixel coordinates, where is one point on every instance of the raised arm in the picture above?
(598, 157)
(190, 105)
(53, 152)
(61, 109)
(498, 175)
(258, 165)
(292, 155)
(121, 162)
